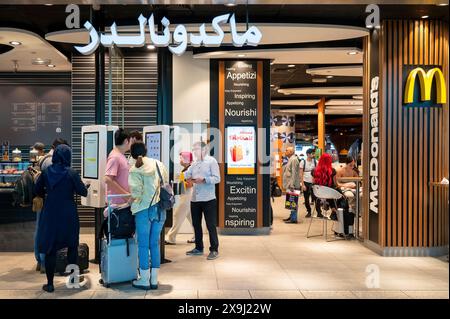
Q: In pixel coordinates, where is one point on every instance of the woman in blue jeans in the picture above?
(144, 187)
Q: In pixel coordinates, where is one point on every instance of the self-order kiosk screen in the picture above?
(90, 152)
(153, 142)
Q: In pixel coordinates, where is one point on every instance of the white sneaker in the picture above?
(144, 281)
(154, 278)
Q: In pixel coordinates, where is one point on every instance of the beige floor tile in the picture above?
(380, 294)
(60, 294)
(20, 294)
(224, 294)
(276, 294)
(171, 294)
(427, 294)
(256, 283)
(328, 294)
(119, 294)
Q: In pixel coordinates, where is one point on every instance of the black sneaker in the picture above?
(308, 215)
(287, 219)
(320, 215)
(48, 288)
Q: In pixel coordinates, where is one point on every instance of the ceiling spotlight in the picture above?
(230, 4)
(241, 55)
(291, 65)
(425, 17)
(357, 97)
(319, 80)
(442, 4)
(272, 85)
(329, 76)
(287, 93)
(151, 47)
(15, 42)
(352, 53)
(51, 65)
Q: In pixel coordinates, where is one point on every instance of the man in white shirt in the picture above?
(306, 178)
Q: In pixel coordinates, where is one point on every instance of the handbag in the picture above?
(166, 194)
(291, 201)
(122, 224)
(38, 204)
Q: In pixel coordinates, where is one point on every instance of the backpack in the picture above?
(122, 224)
(166, 194)
(24, 190)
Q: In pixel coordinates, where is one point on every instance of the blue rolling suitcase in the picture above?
(118, 257)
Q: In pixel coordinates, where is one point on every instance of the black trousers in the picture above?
(209, 210)
(308, 193)
(50, 262)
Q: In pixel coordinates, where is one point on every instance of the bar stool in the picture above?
(323, 193)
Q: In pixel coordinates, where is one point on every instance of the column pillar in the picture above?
(321, 124)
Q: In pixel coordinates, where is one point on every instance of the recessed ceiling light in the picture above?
(442, 4)
(352, 53)
(51, 65)
(319, 80)
(287, 93)
(357, 97)
(272, 85)
(329, 76)
(230, 4)
(358, 109)
(291, 65)
(425, 17)
(48, 4)
(241, 55)
(151, 47)
(15, 42)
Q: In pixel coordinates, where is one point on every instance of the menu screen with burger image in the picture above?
(241, 146)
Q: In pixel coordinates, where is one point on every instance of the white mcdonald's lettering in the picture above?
(251, 37)
(374, 127)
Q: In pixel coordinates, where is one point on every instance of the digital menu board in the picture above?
(90, 155)
(241, 149)
(153, 143)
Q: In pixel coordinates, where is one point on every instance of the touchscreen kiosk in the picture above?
(162, 144)
(97, 142)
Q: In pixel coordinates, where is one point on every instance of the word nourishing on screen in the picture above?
(374, 133)
(180, 41)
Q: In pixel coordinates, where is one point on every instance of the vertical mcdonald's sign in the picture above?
(426, 85)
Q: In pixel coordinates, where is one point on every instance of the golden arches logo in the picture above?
(425, 82)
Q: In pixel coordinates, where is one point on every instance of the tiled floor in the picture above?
(284, 265)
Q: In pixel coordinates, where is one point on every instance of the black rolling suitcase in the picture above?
(83, 259)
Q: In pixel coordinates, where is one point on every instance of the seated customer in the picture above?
(325, 175)
(349, 188)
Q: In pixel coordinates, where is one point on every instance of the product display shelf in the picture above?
(9, 173)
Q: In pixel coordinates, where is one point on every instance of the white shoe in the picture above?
(154, 278)
(144, 281)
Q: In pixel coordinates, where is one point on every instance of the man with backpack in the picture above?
(291, 180)
(306, 178)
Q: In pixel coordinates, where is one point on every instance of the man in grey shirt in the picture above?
(204, 173)
(291, 179)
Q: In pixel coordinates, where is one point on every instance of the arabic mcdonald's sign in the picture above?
(428, 96)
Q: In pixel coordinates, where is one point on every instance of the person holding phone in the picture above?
(182, 210)
(204, 174)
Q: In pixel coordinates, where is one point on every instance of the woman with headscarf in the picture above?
(325, 175)
(59, 226)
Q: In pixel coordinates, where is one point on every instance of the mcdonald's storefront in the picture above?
(406, 123)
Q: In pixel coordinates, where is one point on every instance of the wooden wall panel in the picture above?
(415, 139)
